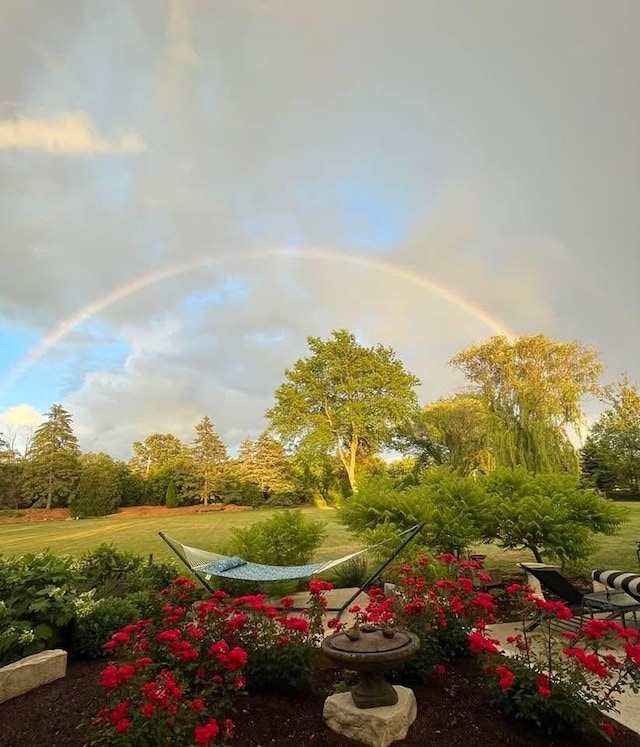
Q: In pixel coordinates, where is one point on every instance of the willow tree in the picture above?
(533, 388)
(344, 397)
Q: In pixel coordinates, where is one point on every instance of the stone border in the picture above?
(31, 672)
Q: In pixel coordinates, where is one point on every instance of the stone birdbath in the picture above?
(371, 651)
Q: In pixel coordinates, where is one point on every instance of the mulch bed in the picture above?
(454, 710)
(62, 514)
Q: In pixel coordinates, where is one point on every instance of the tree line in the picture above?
(338, 410)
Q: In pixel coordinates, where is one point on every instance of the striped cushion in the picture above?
(629, 582)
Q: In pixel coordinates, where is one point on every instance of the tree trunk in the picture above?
(536, 553)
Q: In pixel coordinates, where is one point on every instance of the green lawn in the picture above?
(211, 531)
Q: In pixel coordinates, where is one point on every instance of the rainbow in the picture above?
(67, 325)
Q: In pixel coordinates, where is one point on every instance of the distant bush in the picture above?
(287, 538)
(8, 513)
(352, 573)
(98, 492)
(171, 498)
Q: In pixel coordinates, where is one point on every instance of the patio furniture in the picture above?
(616, 602)
(205, 564)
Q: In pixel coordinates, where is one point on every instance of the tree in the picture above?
(452, 431)
(155, 451)
(209, 455)
(455, 510)
(533, 388)
(610, 458)
(344, 398)
(99, 487)
(264, 464)
(549, 514)
(52, 468)
(171, 499)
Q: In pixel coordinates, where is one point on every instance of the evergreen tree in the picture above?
(209, 455)
(99, 487)
(52, 468)
(171, 499)
(265, 464)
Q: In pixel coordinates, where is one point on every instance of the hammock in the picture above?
(204, 564)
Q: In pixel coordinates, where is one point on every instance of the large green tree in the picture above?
(533, 388)
(344, 397)
(155, 452)
(209, 456)
(52, 468)
(264, 463)
(610, 458)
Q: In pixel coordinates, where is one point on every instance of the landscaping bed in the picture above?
(28, 515)
(454, 710)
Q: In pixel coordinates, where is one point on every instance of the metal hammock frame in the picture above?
(205, 564)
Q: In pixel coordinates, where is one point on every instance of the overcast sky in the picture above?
(188, 189)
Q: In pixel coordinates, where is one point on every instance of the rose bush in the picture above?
(560, 683)
(437, 599)
(174, 679)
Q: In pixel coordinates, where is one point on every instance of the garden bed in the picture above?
(455, 710)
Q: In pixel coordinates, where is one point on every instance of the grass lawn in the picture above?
(211, 531)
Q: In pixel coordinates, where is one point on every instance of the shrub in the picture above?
(352, 573)
(561, 685)
(456, 511)
(549, 514)
(98, 492)
(115, 573)
(171, 497)
(37, 594)
(9, 513)
(437, 600)
(287, 538)
(174, 677)
(97, 620)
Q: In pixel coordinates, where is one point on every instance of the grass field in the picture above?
(211, 531)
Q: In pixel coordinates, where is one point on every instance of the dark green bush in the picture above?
(352, 573)
(98, 492)
(97, 620)
(37, 595)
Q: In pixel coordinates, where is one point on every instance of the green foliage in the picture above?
(263, 463)
(287, 538)
(610, 458)
(8, 513)
(115, 573)
(11, 477)
(96, 620)
(51, 469)
(456, 511)
(532, 388)
(209, 455)
(171, 498)
(549, 514)
(344, 398)
(133, 487)
(351, 574)
(37, 594)
(157, 450)
(99, 490)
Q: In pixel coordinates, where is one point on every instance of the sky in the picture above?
(189, 189)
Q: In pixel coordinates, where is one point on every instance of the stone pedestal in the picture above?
(376, 727)
(31, 672)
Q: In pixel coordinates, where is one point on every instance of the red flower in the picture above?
(448, 558)
(197, 704)
(479, 643)
(608, 729)
(441, 669)
(207, 733)
(513, 588)
(316, 587)
(123, 726)
(148, 709)
(543, 686)
(507, 677)
(120, 637)
(287, 603)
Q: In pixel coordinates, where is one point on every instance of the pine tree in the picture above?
(171, 499)
(264, 463)
(209, 455)
(52, 461)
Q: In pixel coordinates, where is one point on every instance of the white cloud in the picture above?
(72, 133)
(20, 415)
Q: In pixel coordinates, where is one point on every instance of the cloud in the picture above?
(72, 133)
(20, 415)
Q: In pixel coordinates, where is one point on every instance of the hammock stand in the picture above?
(204, 564)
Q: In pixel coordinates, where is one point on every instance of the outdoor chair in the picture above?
(614, 601)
